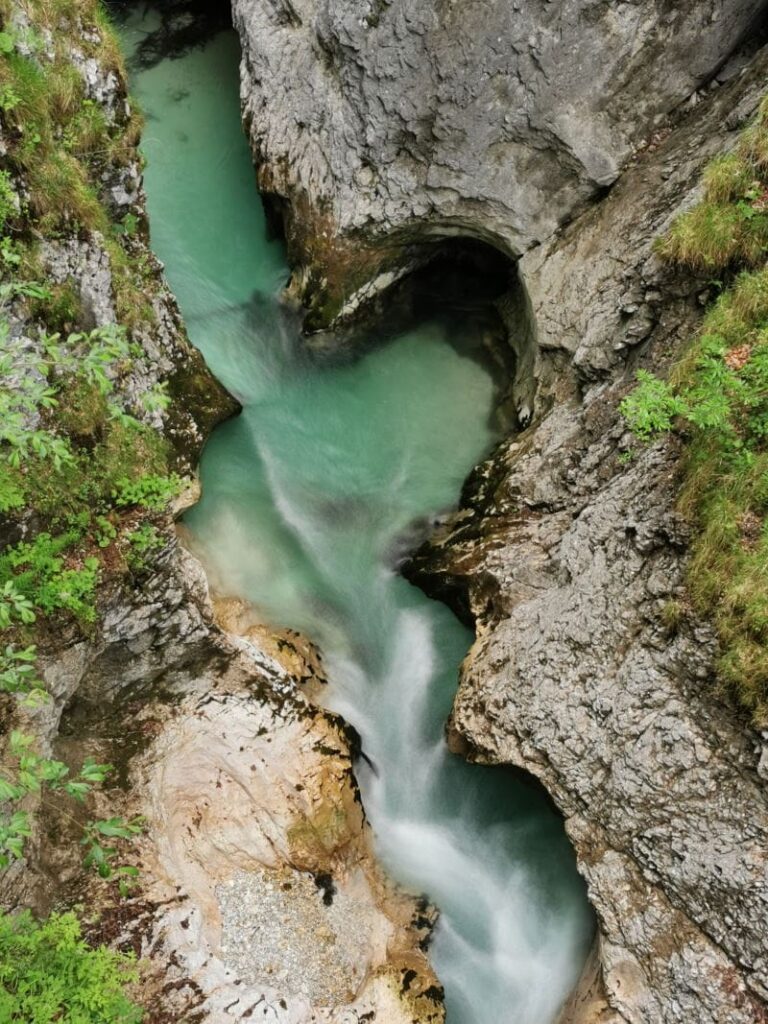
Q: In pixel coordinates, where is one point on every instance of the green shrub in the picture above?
(148, 491)
(652, 407)
(50, 975)
(18, 674)
(38, 571)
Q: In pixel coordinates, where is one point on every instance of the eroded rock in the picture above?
(568, 555)
(253, 811)
(389, 124)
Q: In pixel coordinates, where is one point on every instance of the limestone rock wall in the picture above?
(569, 555)
(391, 121)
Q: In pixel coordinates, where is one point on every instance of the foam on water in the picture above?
(304, 498)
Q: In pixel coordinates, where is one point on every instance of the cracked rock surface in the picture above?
(568, 553)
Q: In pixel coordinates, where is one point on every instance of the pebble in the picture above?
(277, 931)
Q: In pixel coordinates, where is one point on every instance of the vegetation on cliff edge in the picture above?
(85, 478)
(717, 398)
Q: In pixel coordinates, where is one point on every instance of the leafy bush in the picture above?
(652, 407)
(48, 974)
(148, 491)
(74, 462)
(38, 571)
(143, 542)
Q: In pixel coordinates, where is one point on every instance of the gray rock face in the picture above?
(387, 119)
(387, 124)
(586, 672)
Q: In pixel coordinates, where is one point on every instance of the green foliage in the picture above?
(717, 398)
(729, 227)
(41, 573)
(69, 442)
(48, 974)
(73, 461)
(130, 284)
(651, 408)
(128, 225)
(101, 855)
(59, 139)
(26, 772)
(30, 383)
(148, 491)
(14, 606)
(60, 308)
(7, 198)
(18, 674)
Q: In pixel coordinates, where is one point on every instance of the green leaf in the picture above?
(77, 790)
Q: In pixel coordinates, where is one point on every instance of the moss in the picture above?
(132, 280)
(61, 309)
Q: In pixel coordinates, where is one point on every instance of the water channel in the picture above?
(306, 497)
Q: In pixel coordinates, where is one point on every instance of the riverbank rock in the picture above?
(569, 556)
(397, 126)
(259, 855)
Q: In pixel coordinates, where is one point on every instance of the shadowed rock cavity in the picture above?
(183, 25)
(468, 284)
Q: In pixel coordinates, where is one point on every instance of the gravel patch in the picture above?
(284, 930)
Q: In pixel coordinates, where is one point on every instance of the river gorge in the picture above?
(306, 498)
(382, 512)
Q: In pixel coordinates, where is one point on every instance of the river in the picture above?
(306, 498)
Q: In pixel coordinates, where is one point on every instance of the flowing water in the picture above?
(306, 497)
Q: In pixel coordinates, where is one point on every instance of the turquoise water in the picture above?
(307, 497)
